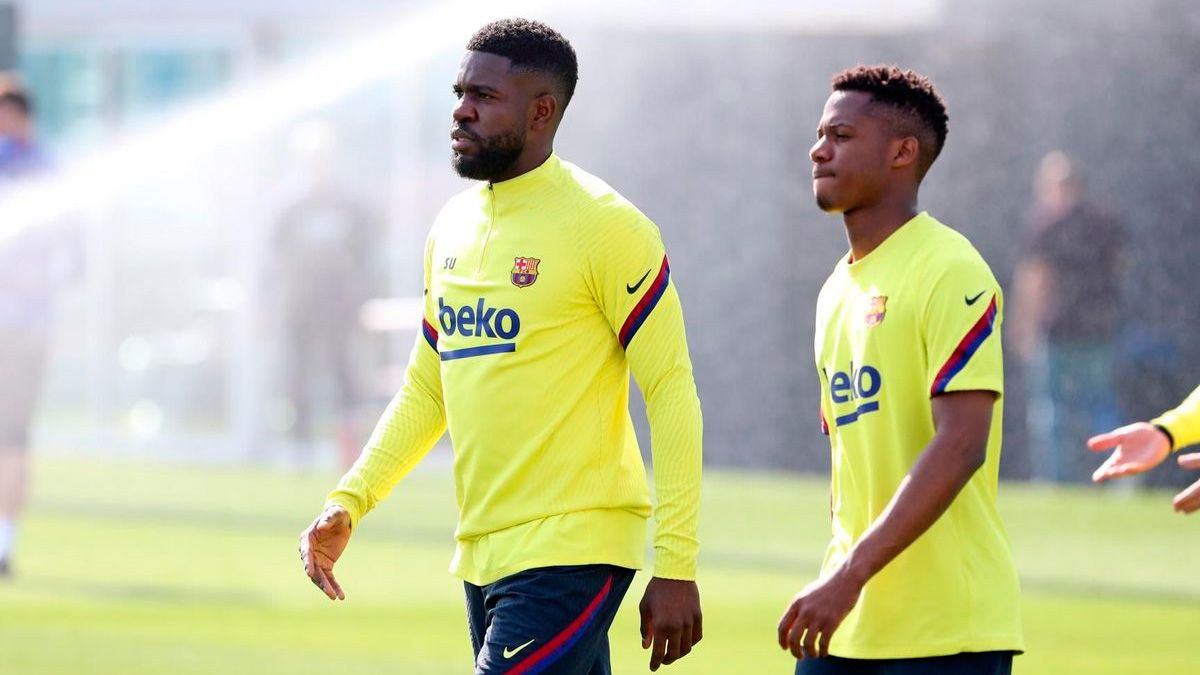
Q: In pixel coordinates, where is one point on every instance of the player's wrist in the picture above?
(675, 572)
(855, 571)
(672, 582)
(672, 563)
(339, 512)
(1166, 434)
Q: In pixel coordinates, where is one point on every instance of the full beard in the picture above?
(496, 155)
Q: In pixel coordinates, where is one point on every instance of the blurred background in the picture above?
(210, 242)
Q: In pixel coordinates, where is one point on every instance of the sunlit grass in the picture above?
(128, 568)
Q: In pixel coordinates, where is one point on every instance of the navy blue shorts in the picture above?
(967, 663)
(551, 620)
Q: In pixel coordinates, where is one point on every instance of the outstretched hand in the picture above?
(671, 620)
(1138, 447)
(320, 547)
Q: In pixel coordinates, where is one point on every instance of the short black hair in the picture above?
(530, 45)
(916, 107)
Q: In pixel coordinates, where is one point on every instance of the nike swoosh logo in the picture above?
(633, 289)
(509, 653)
(971, 301)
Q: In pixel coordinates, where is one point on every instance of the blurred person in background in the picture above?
(21, 156)
(35, 261)
(1068, 300)
(1142, 446)
(544, 290)
(320, 270)
(918, 577)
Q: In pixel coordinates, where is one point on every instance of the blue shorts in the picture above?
(966, 663)
(551, 620)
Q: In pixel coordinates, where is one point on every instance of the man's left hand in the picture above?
(671, 620)
(816, 612)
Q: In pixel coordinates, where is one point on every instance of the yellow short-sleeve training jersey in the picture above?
(917, 317)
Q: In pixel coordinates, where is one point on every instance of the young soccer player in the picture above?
(918, 577)
(544, 290)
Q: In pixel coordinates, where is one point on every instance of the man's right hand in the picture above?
(320, 547)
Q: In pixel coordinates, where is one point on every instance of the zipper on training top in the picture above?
(487, 235)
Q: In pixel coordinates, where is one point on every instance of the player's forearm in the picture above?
(676, 430)
(407, 430)
(676, 447)
(939, 474)
(403, 436)
(1183, 422)
(658, 358)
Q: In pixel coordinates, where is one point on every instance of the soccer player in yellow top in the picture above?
(1142, 446)
(544, 289)
(918, 577)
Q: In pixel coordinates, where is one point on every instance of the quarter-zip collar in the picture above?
(529, 183)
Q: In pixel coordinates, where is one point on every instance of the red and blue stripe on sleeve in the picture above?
(965, 349)
(430, 333)
(646, 305)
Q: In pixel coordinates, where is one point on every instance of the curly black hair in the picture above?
(909, 101)
(530, 45)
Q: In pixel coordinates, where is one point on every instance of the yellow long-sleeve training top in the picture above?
(1183, 422)
(542, 293)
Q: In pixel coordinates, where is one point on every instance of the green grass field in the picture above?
(131, 568)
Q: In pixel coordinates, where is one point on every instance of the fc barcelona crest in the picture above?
(876, 310)
(525, 271)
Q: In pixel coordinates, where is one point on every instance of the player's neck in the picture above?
(530, 159)
(869, 226)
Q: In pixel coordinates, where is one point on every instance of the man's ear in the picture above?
(905, 151)
(542, 112)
